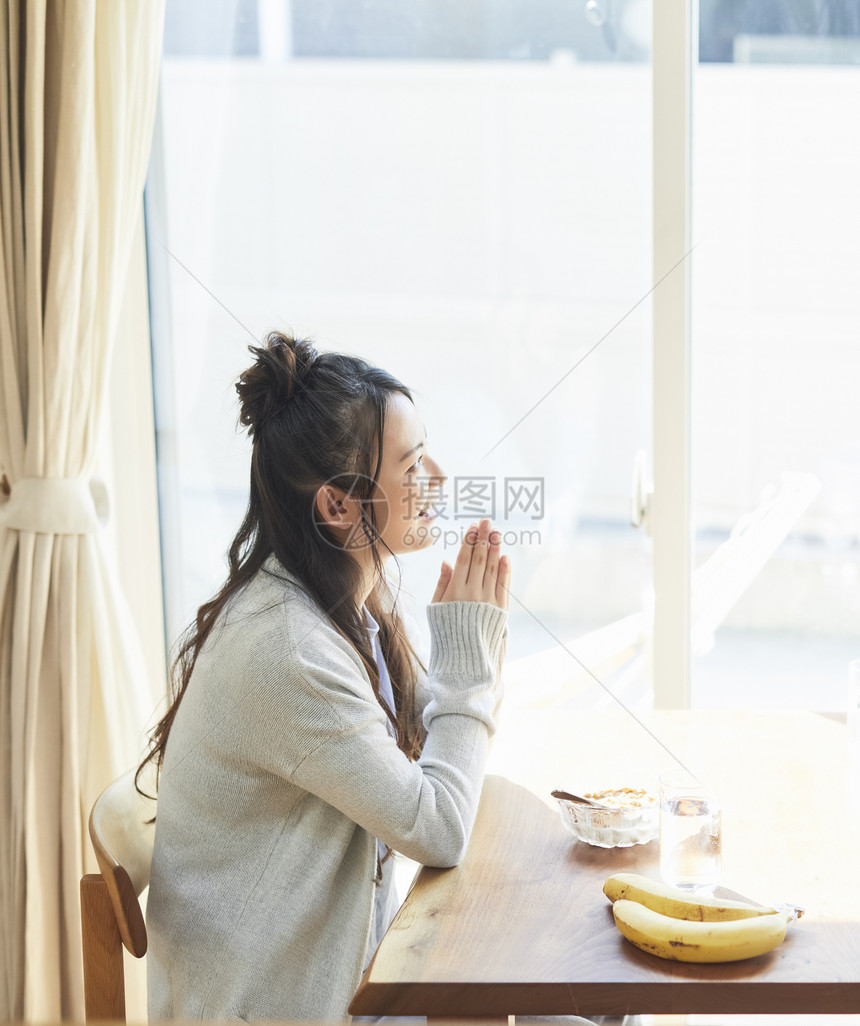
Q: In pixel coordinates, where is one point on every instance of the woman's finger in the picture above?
(444, 577)
(492, 570)
(503, 583)
(475, 579)
(464, 557)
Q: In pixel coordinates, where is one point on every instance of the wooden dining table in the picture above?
(521, 926)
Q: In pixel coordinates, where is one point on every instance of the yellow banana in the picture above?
(670, 901)
(686, 941)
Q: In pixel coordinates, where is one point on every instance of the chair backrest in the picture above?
(122, 836)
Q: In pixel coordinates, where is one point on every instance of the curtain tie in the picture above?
(55, 505)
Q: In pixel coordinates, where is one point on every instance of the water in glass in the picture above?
(690, 842)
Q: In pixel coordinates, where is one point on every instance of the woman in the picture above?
(305, 740)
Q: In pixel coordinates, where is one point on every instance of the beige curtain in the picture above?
(78, 84)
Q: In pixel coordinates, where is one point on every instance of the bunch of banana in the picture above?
(667, 922)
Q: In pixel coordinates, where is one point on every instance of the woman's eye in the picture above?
(415, 465)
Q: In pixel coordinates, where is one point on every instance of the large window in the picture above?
(462, 193)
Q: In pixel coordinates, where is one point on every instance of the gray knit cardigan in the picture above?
(278, 778)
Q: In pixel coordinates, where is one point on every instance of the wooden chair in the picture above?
(110, 911)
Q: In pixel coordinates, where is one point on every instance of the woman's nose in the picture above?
(436, 474)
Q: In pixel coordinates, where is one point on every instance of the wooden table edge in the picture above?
(498, 1000)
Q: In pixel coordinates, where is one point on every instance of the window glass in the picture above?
(779, 31)
(506, 30)
(775, 315)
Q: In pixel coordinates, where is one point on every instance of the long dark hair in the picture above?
(313, 418)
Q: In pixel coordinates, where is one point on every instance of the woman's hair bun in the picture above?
(280, 370)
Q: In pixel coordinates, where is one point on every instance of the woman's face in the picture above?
(409, 481)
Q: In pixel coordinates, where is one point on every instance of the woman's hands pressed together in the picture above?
(480, 573)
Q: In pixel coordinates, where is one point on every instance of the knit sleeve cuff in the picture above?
(466, 641)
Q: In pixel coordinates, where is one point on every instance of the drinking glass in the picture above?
(690, 833)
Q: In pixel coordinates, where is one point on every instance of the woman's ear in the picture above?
(336, 509)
